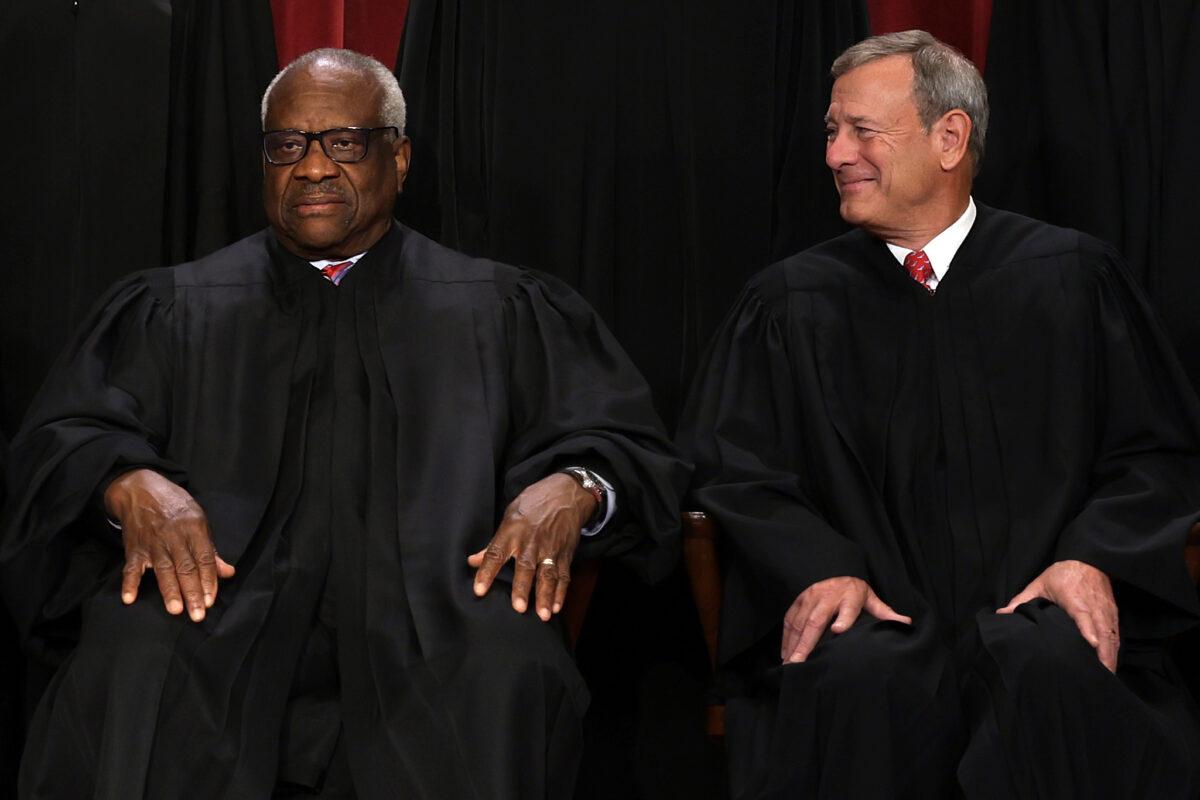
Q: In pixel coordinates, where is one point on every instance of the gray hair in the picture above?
(392, 109)
(943, 79)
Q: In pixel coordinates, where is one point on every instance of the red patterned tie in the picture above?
(335, 272)
(918, 266)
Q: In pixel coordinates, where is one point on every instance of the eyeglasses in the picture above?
(343, 145)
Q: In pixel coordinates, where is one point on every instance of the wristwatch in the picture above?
(591, 484)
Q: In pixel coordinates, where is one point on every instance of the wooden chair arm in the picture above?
(579, 595)
(1191, 553)
(704, 574)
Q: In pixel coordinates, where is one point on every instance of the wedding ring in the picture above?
(547, 562)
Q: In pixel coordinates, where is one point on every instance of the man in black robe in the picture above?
(342, 410)
(967, 425)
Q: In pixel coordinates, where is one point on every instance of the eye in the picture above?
(830, 134)
(343, 143)
(863, 133)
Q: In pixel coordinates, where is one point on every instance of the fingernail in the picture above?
(127, 598)
(197, 614)
(208, 601)
(544, 614)
(520, 605)
(557, 607)
(479, 587)
(174, 606)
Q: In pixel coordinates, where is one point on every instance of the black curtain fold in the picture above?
(222, 56)
(1094, 104)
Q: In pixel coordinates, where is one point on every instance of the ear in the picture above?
(401, 154)
(950, 136)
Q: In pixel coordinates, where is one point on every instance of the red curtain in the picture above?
(962, 23)
(373, 27)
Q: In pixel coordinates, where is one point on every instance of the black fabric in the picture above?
(146, 116)
(653, 155)
(946, 448)
(364, 439)
(1093, 102)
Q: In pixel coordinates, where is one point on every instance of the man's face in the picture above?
(320, 208)
(884, 164)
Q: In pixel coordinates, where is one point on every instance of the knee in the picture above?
(1041, 645)
(863, 660)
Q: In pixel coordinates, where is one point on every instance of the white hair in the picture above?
(391, 110)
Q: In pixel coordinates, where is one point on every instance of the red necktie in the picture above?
(919, 268)
(335, 272)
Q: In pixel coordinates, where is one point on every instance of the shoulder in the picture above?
(428, 261)
(832, 264)
(428, 264)
(1011, 238)
(243, 263)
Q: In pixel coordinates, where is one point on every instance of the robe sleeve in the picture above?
(103, 409)
(743, 428)
(1145, 484)
(576, 398)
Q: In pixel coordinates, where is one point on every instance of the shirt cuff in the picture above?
(610, 504)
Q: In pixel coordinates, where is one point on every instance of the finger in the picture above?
(547, 587)
(560, 589)
(814, 629)
(224, 568)
(494, 557)
(131, 576)
(187, 575)
(1087, 628)
(564, 579)
(1031, 592)
(1110, 638)
(168, 584)
(847, 613)
(206, 563)
(793, 625)
(523, 573)
(475, 559)
(881, 610)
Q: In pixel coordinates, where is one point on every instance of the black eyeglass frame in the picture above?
(319, 136)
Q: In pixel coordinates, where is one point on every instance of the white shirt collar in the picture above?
(941, 248)
(325, 262)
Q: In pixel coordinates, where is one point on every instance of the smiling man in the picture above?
(327, 442)
(956, 465)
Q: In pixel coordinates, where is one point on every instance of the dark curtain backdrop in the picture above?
(654, 154)
(1095, 109)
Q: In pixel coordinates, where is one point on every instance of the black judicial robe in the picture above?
(351, 446)
(947, 448)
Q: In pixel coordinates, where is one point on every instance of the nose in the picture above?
(316, 166)
(840, 150)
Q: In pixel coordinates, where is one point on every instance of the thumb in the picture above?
(881, 610)
(1031, 592)
(224, 568)
(476, 559)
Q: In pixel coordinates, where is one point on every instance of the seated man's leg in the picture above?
(93, 730)
(872, 713)
(1048, 720)
(496, 717)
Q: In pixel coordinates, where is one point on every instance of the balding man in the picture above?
(310, 437)
(956, 465)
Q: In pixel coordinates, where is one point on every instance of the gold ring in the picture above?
(547, 562)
